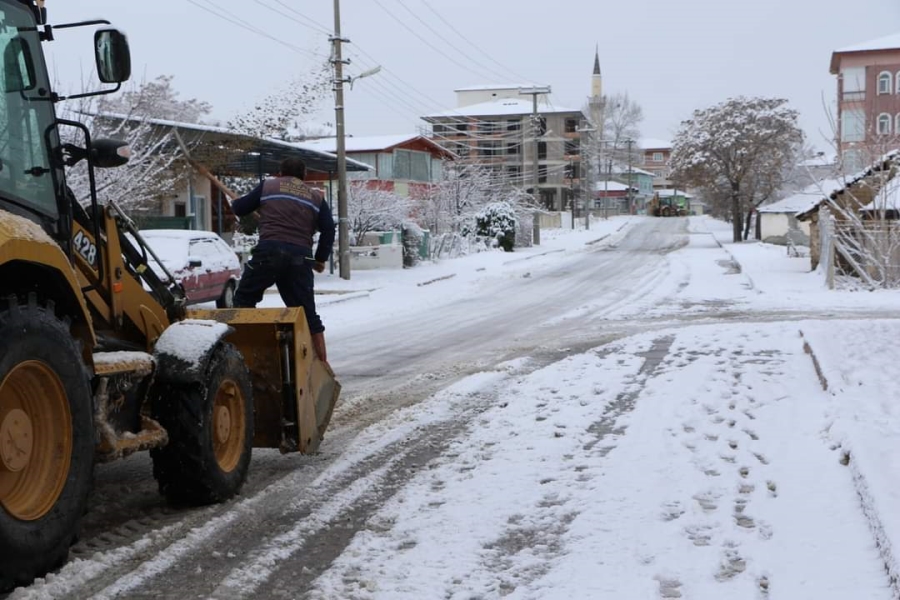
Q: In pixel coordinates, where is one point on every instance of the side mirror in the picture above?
(107, 153)
(112, 55)
(195, 262)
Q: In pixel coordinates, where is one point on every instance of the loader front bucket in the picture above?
(294, 393)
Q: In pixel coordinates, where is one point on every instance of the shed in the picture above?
(778, 221)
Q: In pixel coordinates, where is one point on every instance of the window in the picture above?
(542, 174)
(542, 125)
(440, 129)
(853, 125)
(657, 157)
(885, 83)
(884, 124)
(461, 127)
(412, 165)
(897, 124)
(571, 125)
(489, 148)
(513, 148)
(489, 127)
(542, 150)
(573, 147)
(897, 81)
(514, 125)
(853, 83)
(513, 172)
(573, 171)
(26, 173)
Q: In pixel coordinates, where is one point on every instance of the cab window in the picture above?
(25, 175)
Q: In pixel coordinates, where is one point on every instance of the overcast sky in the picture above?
(671, 57)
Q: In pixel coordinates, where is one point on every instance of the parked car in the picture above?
(206, 266)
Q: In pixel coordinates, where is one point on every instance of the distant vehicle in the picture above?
(201, 261)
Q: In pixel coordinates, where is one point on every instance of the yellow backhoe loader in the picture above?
(99, 357)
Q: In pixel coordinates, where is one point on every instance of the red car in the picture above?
(206, 266)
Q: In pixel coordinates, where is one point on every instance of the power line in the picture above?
(448, 42)
(425, 40)
(468, 41)
(308, 23)
(236, 20)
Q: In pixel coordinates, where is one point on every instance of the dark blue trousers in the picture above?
(289, 268)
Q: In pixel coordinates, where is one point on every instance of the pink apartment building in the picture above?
(868, 101)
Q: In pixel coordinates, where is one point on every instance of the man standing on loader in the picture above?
(290, 213)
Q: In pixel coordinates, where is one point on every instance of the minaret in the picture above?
(596, 78)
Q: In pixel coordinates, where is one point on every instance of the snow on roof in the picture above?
(611, 186)
(667, 193)
(619, 169)
(222, 130)
(654, 144)
(888, 198)
(369, 143)
(499, 108)
(807, 198)
(888, 42)
(494, 86)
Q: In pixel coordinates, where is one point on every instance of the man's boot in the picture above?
(318, 342)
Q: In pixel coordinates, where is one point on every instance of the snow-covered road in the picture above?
(629, 417)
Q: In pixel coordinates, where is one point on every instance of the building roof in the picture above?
(669, 192)
(654, 144)
(495, 86)
(376, 143)
(611, 186)
(245, 154)
(805, 199)
(624, 170)
(887, 42)
(499, 108)
(888, 198)
(885, 162)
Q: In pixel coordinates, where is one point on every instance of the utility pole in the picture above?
(535, 120)
(343, 229)
(630, 193)
(586, 158)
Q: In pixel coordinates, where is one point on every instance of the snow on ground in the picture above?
(699, 462)
(693, 461)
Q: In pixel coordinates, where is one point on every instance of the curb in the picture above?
(866, 500)
(515, 260)
(436, 279)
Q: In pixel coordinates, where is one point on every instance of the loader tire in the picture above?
(46, 441)
(210, 427)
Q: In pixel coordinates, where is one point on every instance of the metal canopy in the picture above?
(227, 152)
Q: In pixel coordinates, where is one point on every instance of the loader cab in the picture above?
(28, 179)
(32, 181)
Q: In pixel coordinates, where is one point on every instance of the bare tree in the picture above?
(615, 120)
(746, 144)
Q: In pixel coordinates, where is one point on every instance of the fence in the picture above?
(868, 250)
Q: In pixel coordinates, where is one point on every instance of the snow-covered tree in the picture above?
(156, 167)
(497, 221)
(285, 113)
(741, 143)
(372, 209)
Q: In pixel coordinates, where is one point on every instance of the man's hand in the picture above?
(319, 267)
